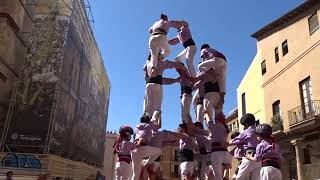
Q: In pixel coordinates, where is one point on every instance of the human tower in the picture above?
(203, 151)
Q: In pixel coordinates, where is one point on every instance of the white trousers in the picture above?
(185, 107)
(123, 171)
(202, 166)
(248, 168)
(137, 156)
(270, 173)
(152, 98)
(188, 54)
(187, 168)
(217, 159)
(198, 108)
(220, 66)
(157, 44)
(210, 101)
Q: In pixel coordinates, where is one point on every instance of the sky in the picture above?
(121, 31)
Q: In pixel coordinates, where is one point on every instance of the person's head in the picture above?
(183, 128)
(126, 132)
(248, 120)
(198, 125)
(264, 131)
(9, 174)
(205, 46)
(145, 119)
(164, 17)
(234, 135)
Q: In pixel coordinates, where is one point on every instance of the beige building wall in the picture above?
(168, 163)
(281, 81)
(299, 142)
(251, 86)
(109, 157)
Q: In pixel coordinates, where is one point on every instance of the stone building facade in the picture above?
(55, 93)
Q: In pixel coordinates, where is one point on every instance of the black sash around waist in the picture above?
(271, 162)
(159, 31)
(186, 89)
(124, 158)
(203, 151)
(156, 79)
(186, 155)
(188, 43)
(211, 87)
(218, 149)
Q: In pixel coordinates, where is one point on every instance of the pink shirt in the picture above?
(210, 53)
(183, 35)
(162, 65)
(247, 138)
(186, 143)
(264, 150)
(162, 25)
(185, 79)
(144, 131)
(209, 76)
(126, 147)
(218, 131)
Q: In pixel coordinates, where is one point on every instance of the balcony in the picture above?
(306, 113)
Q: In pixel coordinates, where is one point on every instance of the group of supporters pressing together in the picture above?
(203, 150)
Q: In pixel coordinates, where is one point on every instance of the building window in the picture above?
(263, 67)
(276, 54)
(313, 23)
(176, 171)
(276, 108)
(243, 100)
(306, 96)
(3, 77)
(306, 155)
(285, 48)
(176, 155)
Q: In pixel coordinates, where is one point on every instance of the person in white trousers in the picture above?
(268, 153)
(219, 153)
(158, 42)
(197, 101)
(213, 59)
(143, 134)
(184, 37)
(248, 141)
(154, 91)
(122, 149)
(186, 83)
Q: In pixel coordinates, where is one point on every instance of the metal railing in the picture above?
(304, 112)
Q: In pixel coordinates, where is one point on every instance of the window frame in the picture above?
(243, 103)
(274, 104)
(285, 42)
(276, 55)
(263, 69)
(314, 30)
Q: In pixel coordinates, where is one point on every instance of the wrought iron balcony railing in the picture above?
(304, 112)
